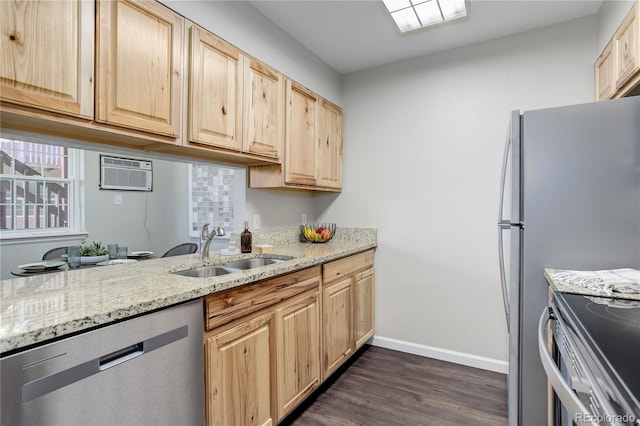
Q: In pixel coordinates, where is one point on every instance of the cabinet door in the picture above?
(605, 75)
(215, 93)
(238, 374)
(337, 341)
(298, 339)
(363, 296)
(330, 146)
(300, 135)
(263, 109)
(139, 66)
(47, 55)
(627, 41)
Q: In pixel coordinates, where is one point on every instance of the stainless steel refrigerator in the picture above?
(570, 200)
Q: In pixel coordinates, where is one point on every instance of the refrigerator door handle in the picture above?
(503, 179)
(502, 225)
(503, 278)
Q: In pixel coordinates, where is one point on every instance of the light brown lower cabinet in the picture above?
(348, 320)
(270, 344)
(363, 312)
(347, 308)
(262, 349)
(337, 322)
(238, 373)
(297, 326)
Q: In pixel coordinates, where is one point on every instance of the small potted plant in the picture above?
(93, 253)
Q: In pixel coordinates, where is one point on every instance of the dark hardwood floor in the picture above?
(386, 387)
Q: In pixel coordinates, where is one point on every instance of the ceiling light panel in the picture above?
(406, 19)
(453, 9)
(428, 13)
(413, 14)
(393, 5)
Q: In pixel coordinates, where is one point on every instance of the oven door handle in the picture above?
(568, 397)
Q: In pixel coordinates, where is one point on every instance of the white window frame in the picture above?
(239, 201)
(76, 197)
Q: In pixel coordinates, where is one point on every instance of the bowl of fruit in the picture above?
(318, 232)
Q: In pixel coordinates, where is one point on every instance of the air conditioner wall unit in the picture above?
(125, 174)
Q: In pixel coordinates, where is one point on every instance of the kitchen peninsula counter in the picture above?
(39, 308)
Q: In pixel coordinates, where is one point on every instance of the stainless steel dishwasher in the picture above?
(143, 371)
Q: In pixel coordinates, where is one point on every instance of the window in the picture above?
(217, 197)
(38, 189)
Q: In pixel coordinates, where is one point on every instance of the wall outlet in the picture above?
(118, 199)
(256, 221)
(304, 218)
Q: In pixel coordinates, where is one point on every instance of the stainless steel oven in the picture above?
(591, 383)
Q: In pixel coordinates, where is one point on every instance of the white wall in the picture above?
(156, 220)
(422, 154)
(279, 209)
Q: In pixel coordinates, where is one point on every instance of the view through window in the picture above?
(36, 187)
(217, 197)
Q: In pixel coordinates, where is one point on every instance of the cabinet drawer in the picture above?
(340, 268)
(221, 308)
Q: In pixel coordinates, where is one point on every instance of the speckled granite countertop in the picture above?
(38, 308)
(618, 283)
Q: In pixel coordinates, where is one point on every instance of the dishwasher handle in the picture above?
(123, 355)
(568, 397)
(47, 384)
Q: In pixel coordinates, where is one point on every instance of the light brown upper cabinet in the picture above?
(605, 75)
(139, 66)
(627, 44)
(312, 148)
(47, 55)
(215, 91)
(235, 101)
(161, 83)
(301, 134)
(263, 109)
(329, 170)
(617, 69)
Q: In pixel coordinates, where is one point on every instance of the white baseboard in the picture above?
(470, 360)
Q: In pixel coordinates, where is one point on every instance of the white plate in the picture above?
(116, 262)
(141, 253)
(41, 266)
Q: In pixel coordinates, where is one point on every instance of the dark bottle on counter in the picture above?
(245, 239)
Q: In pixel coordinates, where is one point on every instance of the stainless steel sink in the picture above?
(254, 262)
(228, 268)
(203, 272)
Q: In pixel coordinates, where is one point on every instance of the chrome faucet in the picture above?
(207, 237)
